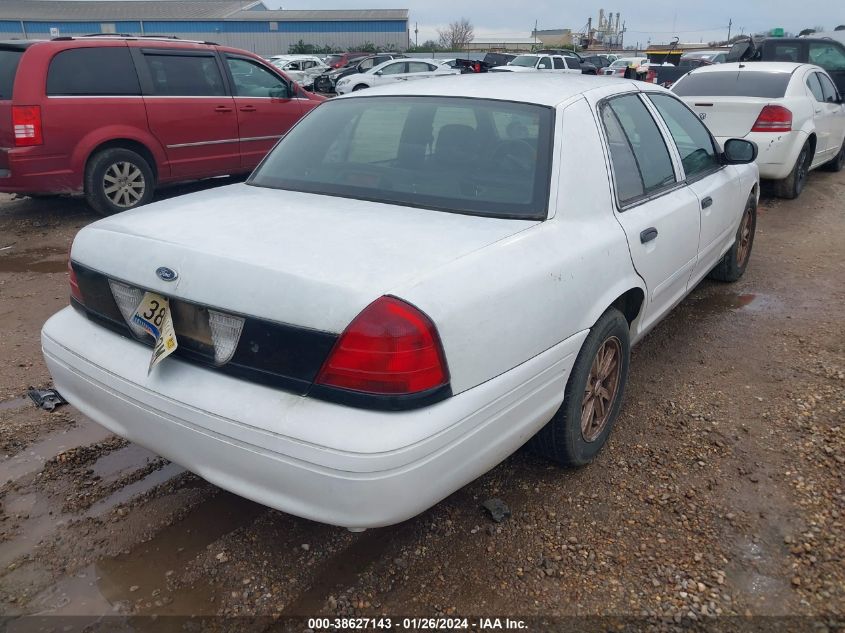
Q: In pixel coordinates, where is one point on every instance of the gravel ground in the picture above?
(719, 494)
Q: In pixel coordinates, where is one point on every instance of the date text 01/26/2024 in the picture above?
(416, 624)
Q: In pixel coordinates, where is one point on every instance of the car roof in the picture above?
(766, 67)
(539, 88)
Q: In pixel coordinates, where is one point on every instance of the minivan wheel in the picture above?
(593, 395)
(732, 266)
(118, 179)
(792, 186)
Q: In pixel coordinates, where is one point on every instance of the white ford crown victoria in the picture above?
(414, 283)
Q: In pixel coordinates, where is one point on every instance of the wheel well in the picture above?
(812, 141)
(129, 144)
(630, 303)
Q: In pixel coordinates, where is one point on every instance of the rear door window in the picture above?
(176, 75)
(815, 86)
(829, 90)
(93, 71)
(698, 154)
(746, 83)
(558, 62)
(638, 154)
(9, 60)
(418, 67)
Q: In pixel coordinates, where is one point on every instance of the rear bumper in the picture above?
(30, 170)
(777, 151)
(310, 458)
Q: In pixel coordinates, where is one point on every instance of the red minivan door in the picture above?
(266, 110)
(190, 111)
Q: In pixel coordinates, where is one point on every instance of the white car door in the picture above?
(822, 121)
(658, 212)
(715, 185)
(834, 114)
(390, 73)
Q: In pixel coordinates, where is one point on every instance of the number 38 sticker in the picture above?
(154, 316)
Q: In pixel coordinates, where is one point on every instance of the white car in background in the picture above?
(393, 71)
(617, 68)
(560, 64)
(444, 270)
(793, 113)
(301, 68)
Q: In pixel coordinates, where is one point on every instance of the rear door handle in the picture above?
(648, 235)
(706, 202)
(222, 109)
(248, 108)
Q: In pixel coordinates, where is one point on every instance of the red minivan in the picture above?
(113, 117)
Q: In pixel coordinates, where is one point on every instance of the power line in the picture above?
(715, 28)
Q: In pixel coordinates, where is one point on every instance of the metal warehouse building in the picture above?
(241, 23)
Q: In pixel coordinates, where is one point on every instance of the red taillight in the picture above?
(390, 348)
(75, 292)
(651, 77)
(773, 118)
(26, 122)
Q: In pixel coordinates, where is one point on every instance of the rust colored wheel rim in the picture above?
(744, 237)
(601, 389)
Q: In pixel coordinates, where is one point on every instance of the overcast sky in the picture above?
(658, 20)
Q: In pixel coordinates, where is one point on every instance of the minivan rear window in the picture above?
(9, 60)
(742, 83)
(461, 155)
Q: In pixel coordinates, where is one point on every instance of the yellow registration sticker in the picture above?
(153, 314)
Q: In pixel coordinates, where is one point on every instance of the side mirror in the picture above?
(378, 72)
(739, 152)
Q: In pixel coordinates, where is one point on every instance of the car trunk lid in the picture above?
(728, 116)
(302, 259)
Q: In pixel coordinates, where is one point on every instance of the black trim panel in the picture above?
(381, 402)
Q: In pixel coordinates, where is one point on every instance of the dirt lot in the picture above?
(721, 491)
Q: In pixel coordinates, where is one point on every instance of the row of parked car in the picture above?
(114, 117)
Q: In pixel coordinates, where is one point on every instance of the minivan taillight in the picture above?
(391, 348)
(26, 123)
(773, 118)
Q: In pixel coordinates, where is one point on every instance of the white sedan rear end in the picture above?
(793, 113)
(413, 284)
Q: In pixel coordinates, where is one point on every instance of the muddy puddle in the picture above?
(45, 260)
(15, 403)
(724, 302)
(32, 458)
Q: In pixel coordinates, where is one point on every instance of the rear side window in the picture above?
(639, 156)
(185, 75)
(829, 90)
(9, 60)
(695, 145)
(558, 62)
(815, 87)
(746, 83)
(92, 72)
(573, 63)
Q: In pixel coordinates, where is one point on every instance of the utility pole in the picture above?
(416, 34)
(589, 32)
(622, 38)
(730, 23)
(535, 35)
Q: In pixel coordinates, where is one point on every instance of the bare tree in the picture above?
(457, 35)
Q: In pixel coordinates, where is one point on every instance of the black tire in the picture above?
(838, 161)
(563, 440)
(792, 186)
(732, 266)
(359, 87)
(122, 168)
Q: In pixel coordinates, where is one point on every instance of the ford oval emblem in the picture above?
(166, 274)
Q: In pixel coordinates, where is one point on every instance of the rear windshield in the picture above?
(9, 60)
(472, 156)
(745, 83)
(334, 59)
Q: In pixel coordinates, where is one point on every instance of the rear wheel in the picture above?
(838, 161)
(792, 186)
(118, 179)
(732, 266)
(593, 395)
